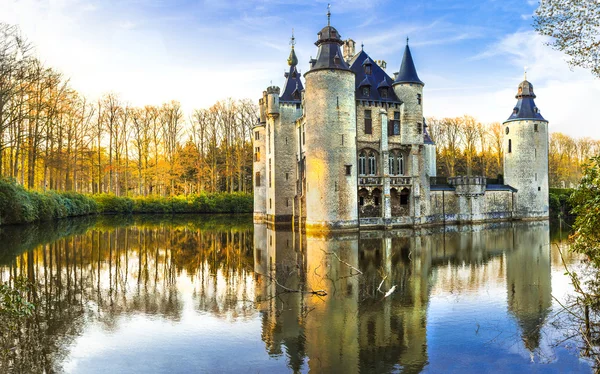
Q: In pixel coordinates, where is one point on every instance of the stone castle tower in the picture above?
(525, 147)
(329, 137)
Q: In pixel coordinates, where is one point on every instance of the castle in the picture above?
(350, 148)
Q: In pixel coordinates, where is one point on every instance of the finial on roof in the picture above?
(407, 40)
(362, 46)
(328, 14)
(293, 39)
(525, 73)
(292, 59)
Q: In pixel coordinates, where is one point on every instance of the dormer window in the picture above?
(366, 91)
(384, 93)
(368, 69)
(515, 110)
(296, 95)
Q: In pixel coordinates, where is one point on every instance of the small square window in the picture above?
(348, 169)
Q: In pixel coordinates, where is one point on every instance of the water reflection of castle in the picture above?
(353, 328)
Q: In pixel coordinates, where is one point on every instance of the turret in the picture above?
(330, 117)
(525, 147)
(409, 89)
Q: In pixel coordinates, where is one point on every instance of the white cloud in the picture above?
(567, 99)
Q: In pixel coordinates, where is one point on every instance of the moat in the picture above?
(182, 294)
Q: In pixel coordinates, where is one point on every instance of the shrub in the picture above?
(18, 205)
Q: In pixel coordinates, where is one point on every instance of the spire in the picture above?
(408, 72)
(292, 60)
(329, 42)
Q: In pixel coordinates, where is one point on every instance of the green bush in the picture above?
(560, 203)
(18, 205)
(202, 203)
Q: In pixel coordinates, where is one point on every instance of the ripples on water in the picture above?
(191, 294)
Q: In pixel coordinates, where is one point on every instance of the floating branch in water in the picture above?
(343, 262)
(389, 292)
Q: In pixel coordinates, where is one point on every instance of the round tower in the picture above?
(330, 143)
(409, 88)
(525, 147)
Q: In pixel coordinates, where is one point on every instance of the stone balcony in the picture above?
(374, 181)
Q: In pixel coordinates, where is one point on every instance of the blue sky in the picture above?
(470, 54)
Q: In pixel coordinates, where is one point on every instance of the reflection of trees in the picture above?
(114, 270)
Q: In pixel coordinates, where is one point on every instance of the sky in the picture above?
(470, 54)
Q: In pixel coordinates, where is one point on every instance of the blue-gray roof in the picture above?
(408, 72)
(377, 80)
(292, 83)
(525, 108)
(329, 55)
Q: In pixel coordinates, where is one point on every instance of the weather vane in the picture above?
(328, 14)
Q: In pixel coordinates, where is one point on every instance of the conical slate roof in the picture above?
(408, 72)
(525, 108)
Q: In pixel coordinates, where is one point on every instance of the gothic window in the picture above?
(257, 179)
(372, 164)
(400, 164)
(419, 99)
(392, 164)
(366, 91)
(368, 122)
(394, 125)
(362, 163)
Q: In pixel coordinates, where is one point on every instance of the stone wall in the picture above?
(259, 175)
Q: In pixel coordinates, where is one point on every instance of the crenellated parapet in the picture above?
(468, 186)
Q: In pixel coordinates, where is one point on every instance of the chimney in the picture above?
(349, 46)
(382, 64)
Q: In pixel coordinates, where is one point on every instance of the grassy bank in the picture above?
(18, 205)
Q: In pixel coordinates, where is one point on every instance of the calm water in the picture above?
(191, 294)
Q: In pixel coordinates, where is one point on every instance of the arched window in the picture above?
(400, 164)
(372, 164)
(362, 163)
(393, 170)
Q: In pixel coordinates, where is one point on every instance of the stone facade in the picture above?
(352, 150)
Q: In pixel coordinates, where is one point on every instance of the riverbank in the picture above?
(18, 205)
